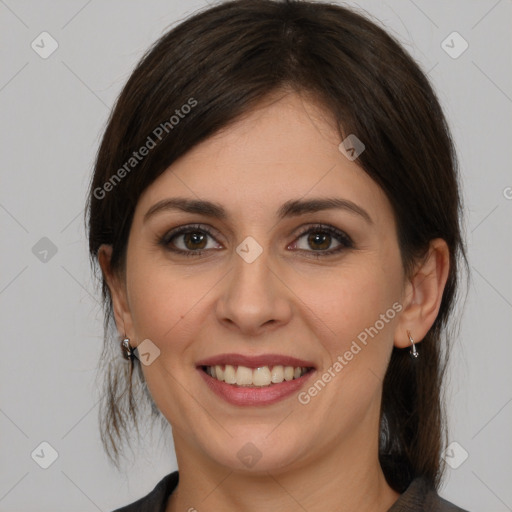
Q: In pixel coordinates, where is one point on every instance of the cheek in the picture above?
(166, 300)
(154, 307)
(157, 299)
(349, 300)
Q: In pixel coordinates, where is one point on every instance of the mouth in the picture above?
(262, 376)
(254, 380)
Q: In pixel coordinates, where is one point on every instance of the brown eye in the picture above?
(189, 240)
(319, 240)
(194, 240)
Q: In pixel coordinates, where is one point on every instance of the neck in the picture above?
(345, 477)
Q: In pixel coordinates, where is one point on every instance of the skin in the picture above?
(319, 456)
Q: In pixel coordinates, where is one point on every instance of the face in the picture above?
(265, 286)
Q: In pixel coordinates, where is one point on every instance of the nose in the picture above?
(254, 297)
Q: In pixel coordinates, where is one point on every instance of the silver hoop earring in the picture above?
(414, 353)
(127, 350)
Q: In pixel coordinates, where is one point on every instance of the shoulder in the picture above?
(156, 500)
(420, 496)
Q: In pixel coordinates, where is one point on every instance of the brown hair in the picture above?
(223, 61)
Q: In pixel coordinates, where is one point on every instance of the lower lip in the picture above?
(244, 395)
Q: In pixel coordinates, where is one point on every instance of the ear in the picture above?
(118, 293)
(423, 294)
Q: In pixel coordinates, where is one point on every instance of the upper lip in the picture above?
(255, 361)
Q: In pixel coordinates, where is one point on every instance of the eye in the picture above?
(192, 240)
(188, 240)
(320, 238)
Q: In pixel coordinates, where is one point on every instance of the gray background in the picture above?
(53, 111)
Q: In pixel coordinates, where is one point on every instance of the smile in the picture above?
(255, 377)
(244, 380)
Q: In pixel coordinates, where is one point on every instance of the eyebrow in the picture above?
(292, 208)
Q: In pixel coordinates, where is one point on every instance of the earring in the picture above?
(414, 353)
(127, 350)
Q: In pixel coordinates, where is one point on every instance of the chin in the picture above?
(256, 451)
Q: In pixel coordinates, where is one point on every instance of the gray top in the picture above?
(418, 497)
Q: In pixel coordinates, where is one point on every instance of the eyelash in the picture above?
(340, 236)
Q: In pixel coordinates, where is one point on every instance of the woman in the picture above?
(276, 214)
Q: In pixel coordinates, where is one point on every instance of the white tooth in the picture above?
(261, 376)
(288, 373)
(277, 374)
(212, 370)
(296, 373)
(229, 374)
(219, 372)
(244, 376)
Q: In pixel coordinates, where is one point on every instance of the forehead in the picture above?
(284, 149)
